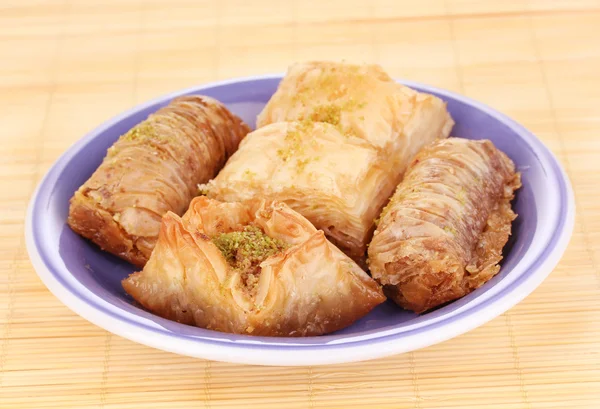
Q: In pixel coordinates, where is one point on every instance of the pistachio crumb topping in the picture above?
(327, 113)
(248, 174)
(142, 131)
(451, 230)
(293, 138)
(335, 83)
(301, 164)
(245, 250)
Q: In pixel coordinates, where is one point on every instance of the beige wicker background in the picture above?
(66, 66)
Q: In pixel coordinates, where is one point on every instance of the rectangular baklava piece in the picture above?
(333, 143)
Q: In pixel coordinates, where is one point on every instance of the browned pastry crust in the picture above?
(361, 100)
(333, 143)
(336, 182)
(152, 169)
(441, 236)
(308, 287)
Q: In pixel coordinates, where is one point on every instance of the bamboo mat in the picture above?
(66, 66)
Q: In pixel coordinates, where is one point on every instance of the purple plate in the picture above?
(88, 280)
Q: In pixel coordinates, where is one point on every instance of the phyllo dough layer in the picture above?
(256, 267)
(337, 182)
(333, 142)
(441, 236)
(363, 101)
(152, 169)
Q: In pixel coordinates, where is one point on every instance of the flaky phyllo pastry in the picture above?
(254, 267)
(441, 236)
(335, 181)
(152, 169)
(363, 101)
(350, 133)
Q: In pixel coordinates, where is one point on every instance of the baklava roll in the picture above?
(361, 101)
(337, 182)
(441, 236)
(254, 267)
(152, 169)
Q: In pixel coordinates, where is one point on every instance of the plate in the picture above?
(87, 280)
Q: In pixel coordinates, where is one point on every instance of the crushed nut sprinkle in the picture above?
(246, 249)
(327, 113)
(451, 230)
(248, 174)
(141, 132)
(301, 164)
(293, 138)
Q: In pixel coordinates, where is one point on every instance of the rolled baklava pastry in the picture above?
(362, 101)
(441, 236)
(152, 169)
(337, 182)
(255, 267)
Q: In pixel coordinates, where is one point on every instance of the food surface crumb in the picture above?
(245, 250)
